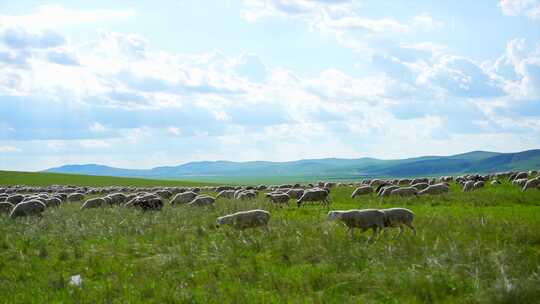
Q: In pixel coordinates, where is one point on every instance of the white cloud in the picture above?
(529, 8)
(426, 22)
(9, 149)
(57, 16)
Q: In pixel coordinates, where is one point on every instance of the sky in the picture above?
(139, 84)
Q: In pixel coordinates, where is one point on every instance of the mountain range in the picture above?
(471, 162)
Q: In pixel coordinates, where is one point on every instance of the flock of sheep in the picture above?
(17, 201)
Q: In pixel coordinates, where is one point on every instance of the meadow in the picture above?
(477, 247)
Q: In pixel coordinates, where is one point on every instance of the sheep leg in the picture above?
(400, 230)
(375, 233)
(350, 232)
(412, 228)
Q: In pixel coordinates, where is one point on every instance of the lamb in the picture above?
(397, 217)
(27, 208)
(362, 190)
(531, 184)
(94, 203)
(468, 186)
(202, 200)
(435, 189)
(314, 195)
(245, 219)
(183, 198)
(363, 219)
(405, 191)
(279, 198)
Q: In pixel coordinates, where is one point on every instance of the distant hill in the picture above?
(471, 162)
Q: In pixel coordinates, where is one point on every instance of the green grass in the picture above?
(478, 247)
(43, 179)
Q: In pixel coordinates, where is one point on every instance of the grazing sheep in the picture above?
(52, 202)
(279, 198)
(117, 198)
(531, 184)
(468, 186)
(226, 194)
(478, 185)
(183, 198)
(385, 191)
(27, 208)
(202, 200)
(521, 175)
(245, 219)
(6, 207)
(314, 195)
(94, 203)
(148, 202)
(75, 197)
(405, 191)
(420, 186)
(397, 217)
(519, 182)
(295, 193)
(15, 199)
(435, 189)
(362, 190)
(495, 182)
(363, 219)
(164, 194)
(246, 195)
(376, 183)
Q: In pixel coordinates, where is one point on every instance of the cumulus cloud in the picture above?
(529, 8)
(9, 149)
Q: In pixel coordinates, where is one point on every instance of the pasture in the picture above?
(475, 247)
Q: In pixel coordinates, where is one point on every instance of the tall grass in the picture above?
(479, 247)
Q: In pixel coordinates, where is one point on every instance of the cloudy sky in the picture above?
(138, 85)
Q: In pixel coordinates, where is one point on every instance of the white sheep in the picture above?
(468, 186)
(531, 184)
(397, 217)
(363, 219)
(405, 191)
(183, 198)
(279, 198)
(362, 190)
(94, 203)
(245, 219)
(27, 208)
(202, 200)
(314, 195)
(435, 189)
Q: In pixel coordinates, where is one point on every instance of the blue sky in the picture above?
(139, 84)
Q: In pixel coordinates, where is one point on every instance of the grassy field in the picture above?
(479, 247)
(43, 179)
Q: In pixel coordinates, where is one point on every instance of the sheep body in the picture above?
(362, 219)
(397, 217)
(362, 190)
(94, 203)
(314, 195)
(202, 200)
(27, 208)
(183, 198)
(435, 189)
(245, 219)
(405, 191)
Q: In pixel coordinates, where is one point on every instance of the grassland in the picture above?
(479, 247)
